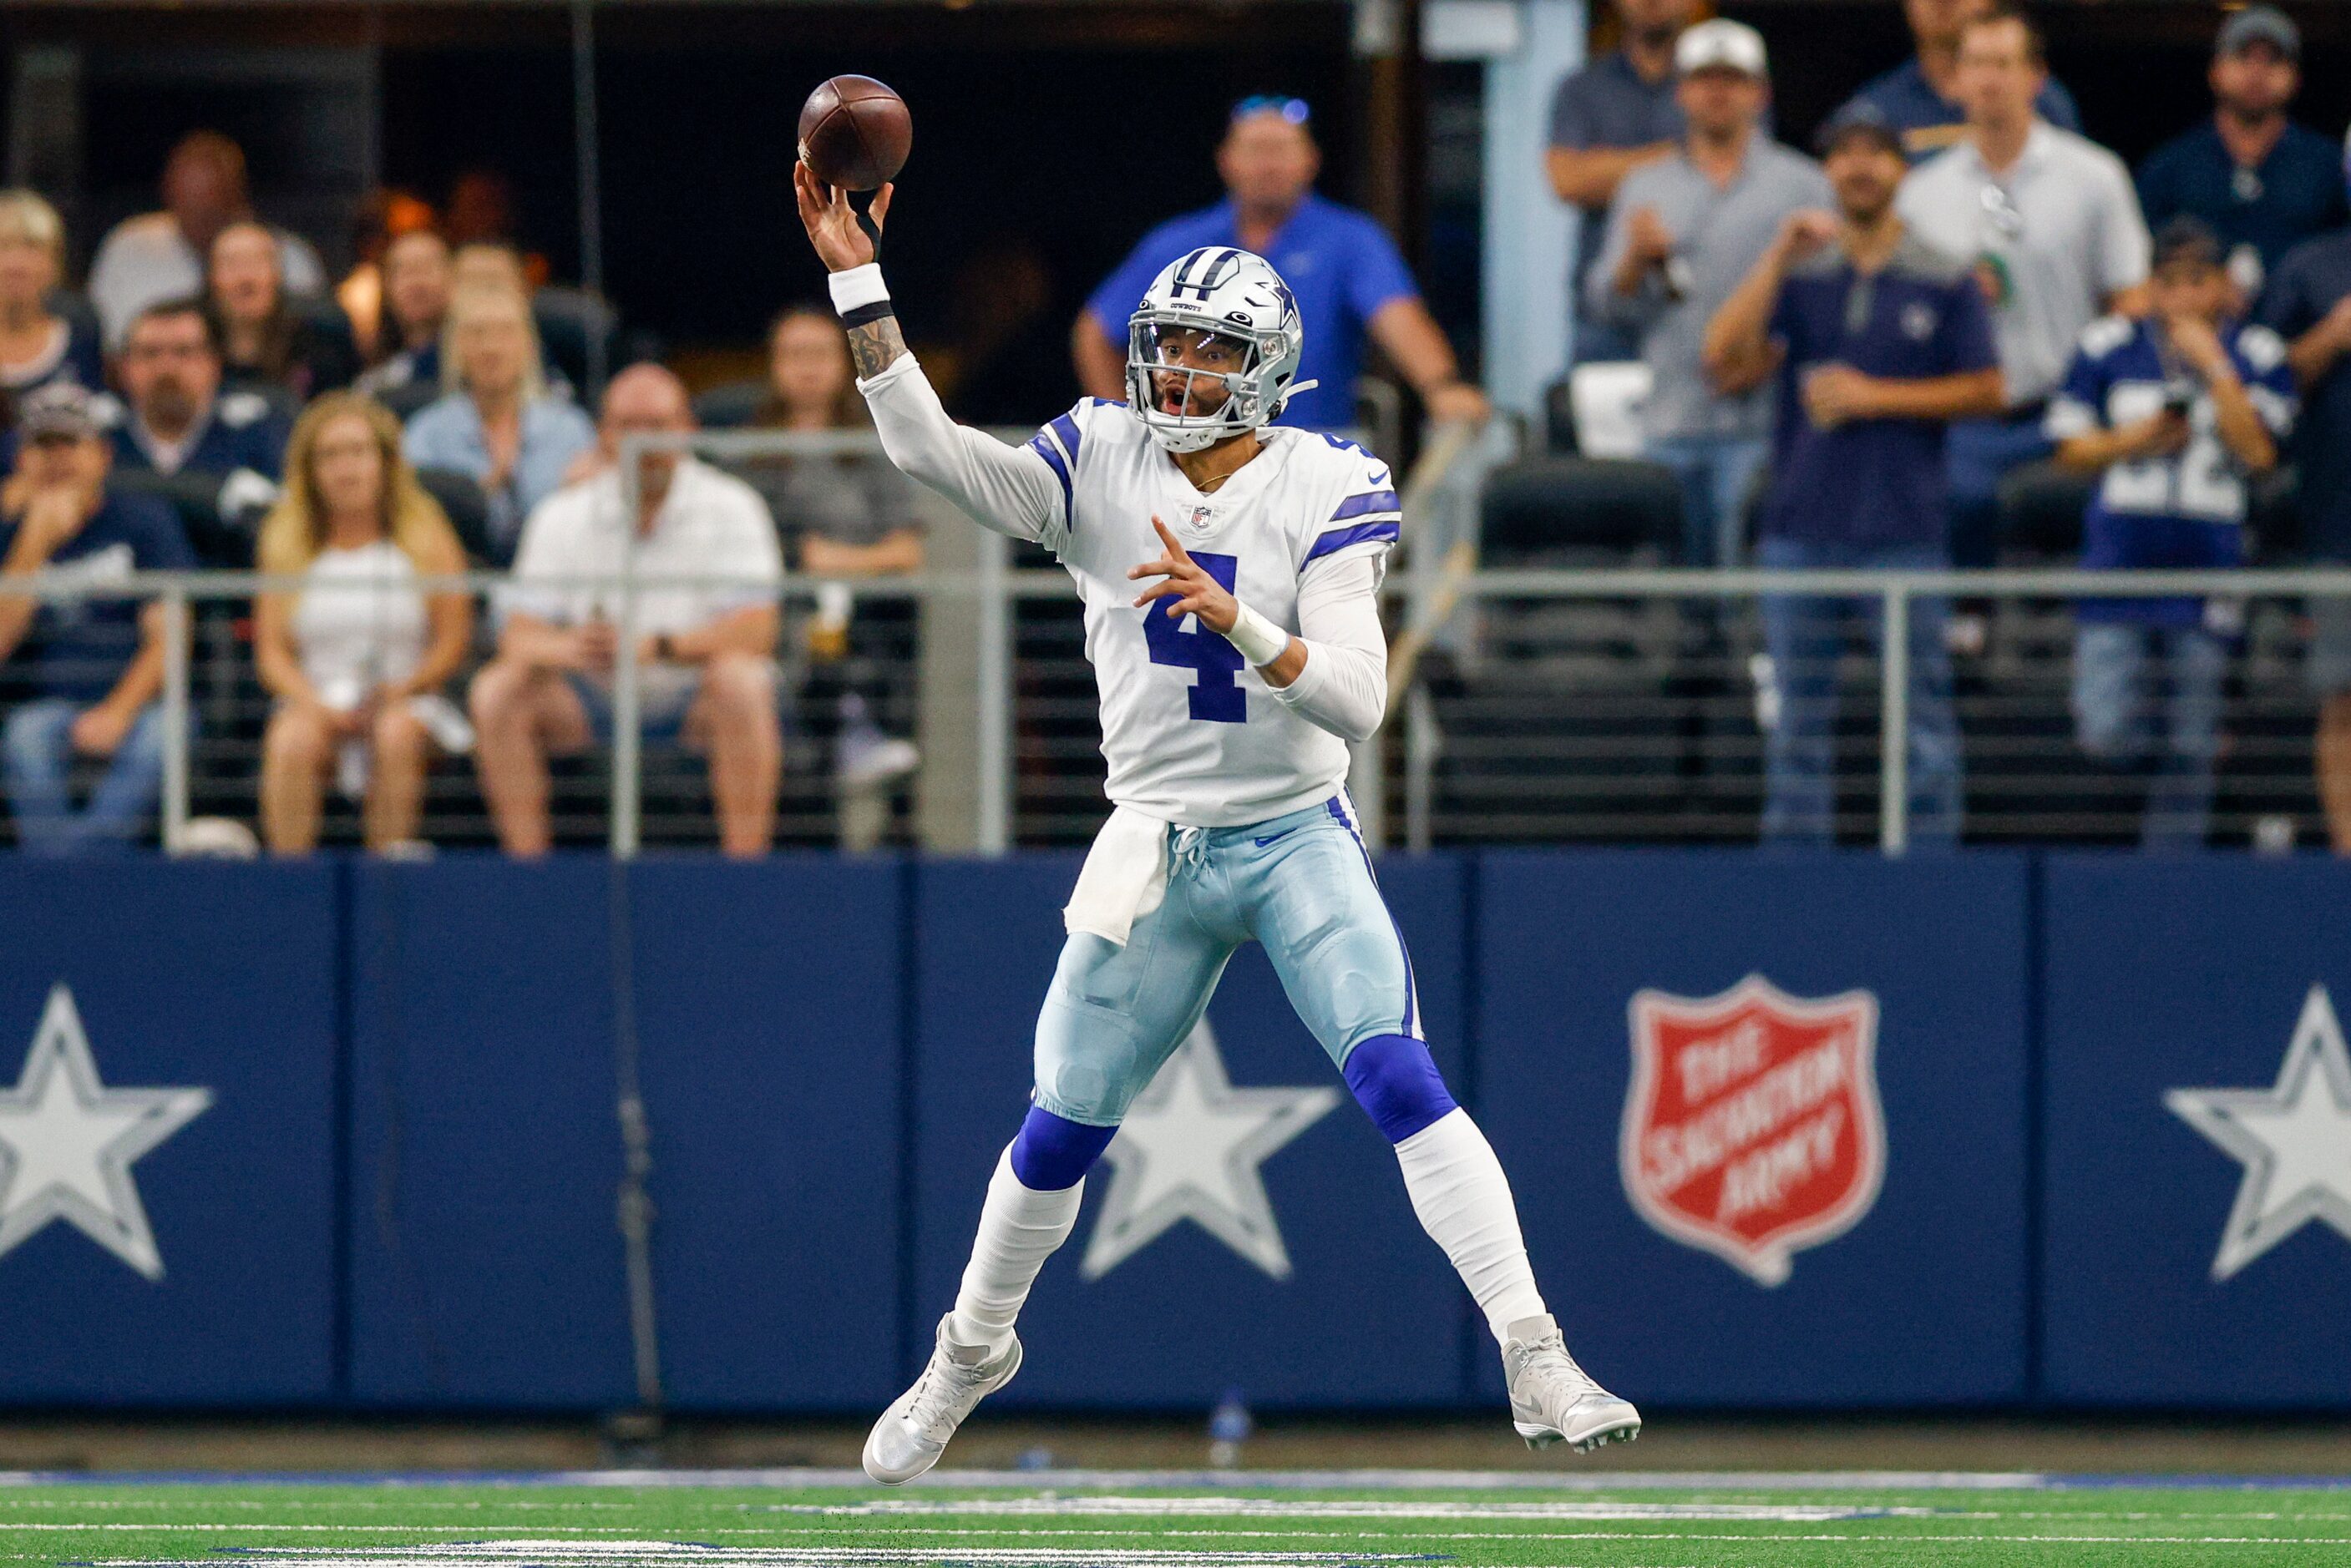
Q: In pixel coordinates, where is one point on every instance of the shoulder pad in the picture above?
(2106, 334)
(2262, 349)
(238, 409)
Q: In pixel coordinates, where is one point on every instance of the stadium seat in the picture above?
(220, 541)
(404, 400)
(2041, 507)
(1605, 401)
(731, 404)
(1540, 505)
(468, 508)
(569, 320)
(75, 310)
(1570, 719)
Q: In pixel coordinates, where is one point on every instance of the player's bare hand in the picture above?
(832, 225)
(1188, 582)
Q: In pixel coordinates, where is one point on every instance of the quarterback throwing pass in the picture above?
(1230, 571)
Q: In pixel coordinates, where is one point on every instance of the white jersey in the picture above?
(1192, 736)
(359, 621)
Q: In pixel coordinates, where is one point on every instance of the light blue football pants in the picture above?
(1301, 884)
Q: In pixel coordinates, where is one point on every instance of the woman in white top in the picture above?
(358, 657)
(36, 345)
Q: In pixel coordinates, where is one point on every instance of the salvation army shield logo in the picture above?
(1754, 1125)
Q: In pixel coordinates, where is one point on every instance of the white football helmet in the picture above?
(1239, 297)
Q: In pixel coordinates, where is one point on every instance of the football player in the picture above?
(1230, 571)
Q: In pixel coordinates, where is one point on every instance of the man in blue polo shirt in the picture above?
(1344, 270)
(97, 663)
(2263, 183)
(1919, 98)
(2174, 410)
(1874, 342)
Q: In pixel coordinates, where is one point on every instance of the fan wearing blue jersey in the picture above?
(1229, 569)
(2175, 411)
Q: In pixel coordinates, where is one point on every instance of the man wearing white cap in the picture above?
(1682, 232)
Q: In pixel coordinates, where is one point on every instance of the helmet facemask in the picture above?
(1192, 384)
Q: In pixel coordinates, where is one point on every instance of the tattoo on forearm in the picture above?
(875, 346)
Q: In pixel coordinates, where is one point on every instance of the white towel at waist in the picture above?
(1124, 879)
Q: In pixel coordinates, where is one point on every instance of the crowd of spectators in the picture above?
(211, 401)
(1862, 378)
(1850, 360)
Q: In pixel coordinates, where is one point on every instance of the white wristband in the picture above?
(858, 286)
(1260, 641)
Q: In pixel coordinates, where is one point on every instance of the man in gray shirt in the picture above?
(1608, 117)
(1682, 232)
(2052, 223)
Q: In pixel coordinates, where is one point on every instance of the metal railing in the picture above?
(1487, 648)
(1697, 661)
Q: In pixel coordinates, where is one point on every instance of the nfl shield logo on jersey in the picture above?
(1754, 1125)
(1197, 518)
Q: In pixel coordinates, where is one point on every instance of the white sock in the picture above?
(1019, 1228)
(1464, 1202)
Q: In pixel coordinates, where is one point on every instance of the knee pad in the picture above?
(1395, 1080)
(1053, 1153)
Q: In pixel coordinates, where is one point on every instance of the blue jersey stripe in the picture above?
(1066, 428)
(1371, 501)
(1361, 534)
(1052, 455)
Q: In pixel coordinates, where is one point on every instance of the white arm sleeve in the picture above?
(1344, 687)
(1009, 489)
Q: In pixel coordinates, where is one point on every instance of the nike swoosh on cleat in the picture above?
(1278, 836)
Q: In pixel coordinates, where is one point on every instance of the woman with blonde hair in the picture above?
(357, 657)
(36, 345)
(497, 422)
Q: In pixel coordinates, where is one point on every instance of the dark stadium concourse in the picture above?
(1049, 135)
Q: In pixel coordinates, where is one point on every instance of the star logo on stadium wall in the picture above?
(1193, 1148)
(68, 1142)
(2293, 1138)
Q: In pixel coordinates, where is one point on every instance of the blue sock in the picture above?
(1054, 1152)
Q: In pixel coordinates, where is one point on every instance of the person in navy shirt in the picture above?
(1344, 270)
(1917, 98)
(2263, 183)
(2174, 411)
(2308, 303)
(96, 663)
(1874, 342)
(172, 417)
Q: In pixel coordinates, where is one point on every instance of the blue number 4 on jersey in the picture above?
(1217, 699)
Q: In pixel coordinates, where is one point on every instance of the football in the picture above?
(855, 132)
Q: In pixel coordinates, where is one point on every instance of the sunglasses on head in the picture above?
(1292, 110)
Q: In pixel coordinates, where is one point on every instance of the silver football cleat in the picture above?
(914, 1431)
(1554, 1401)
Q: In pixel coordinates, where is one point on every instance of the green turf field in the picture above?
(1656, 1521)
